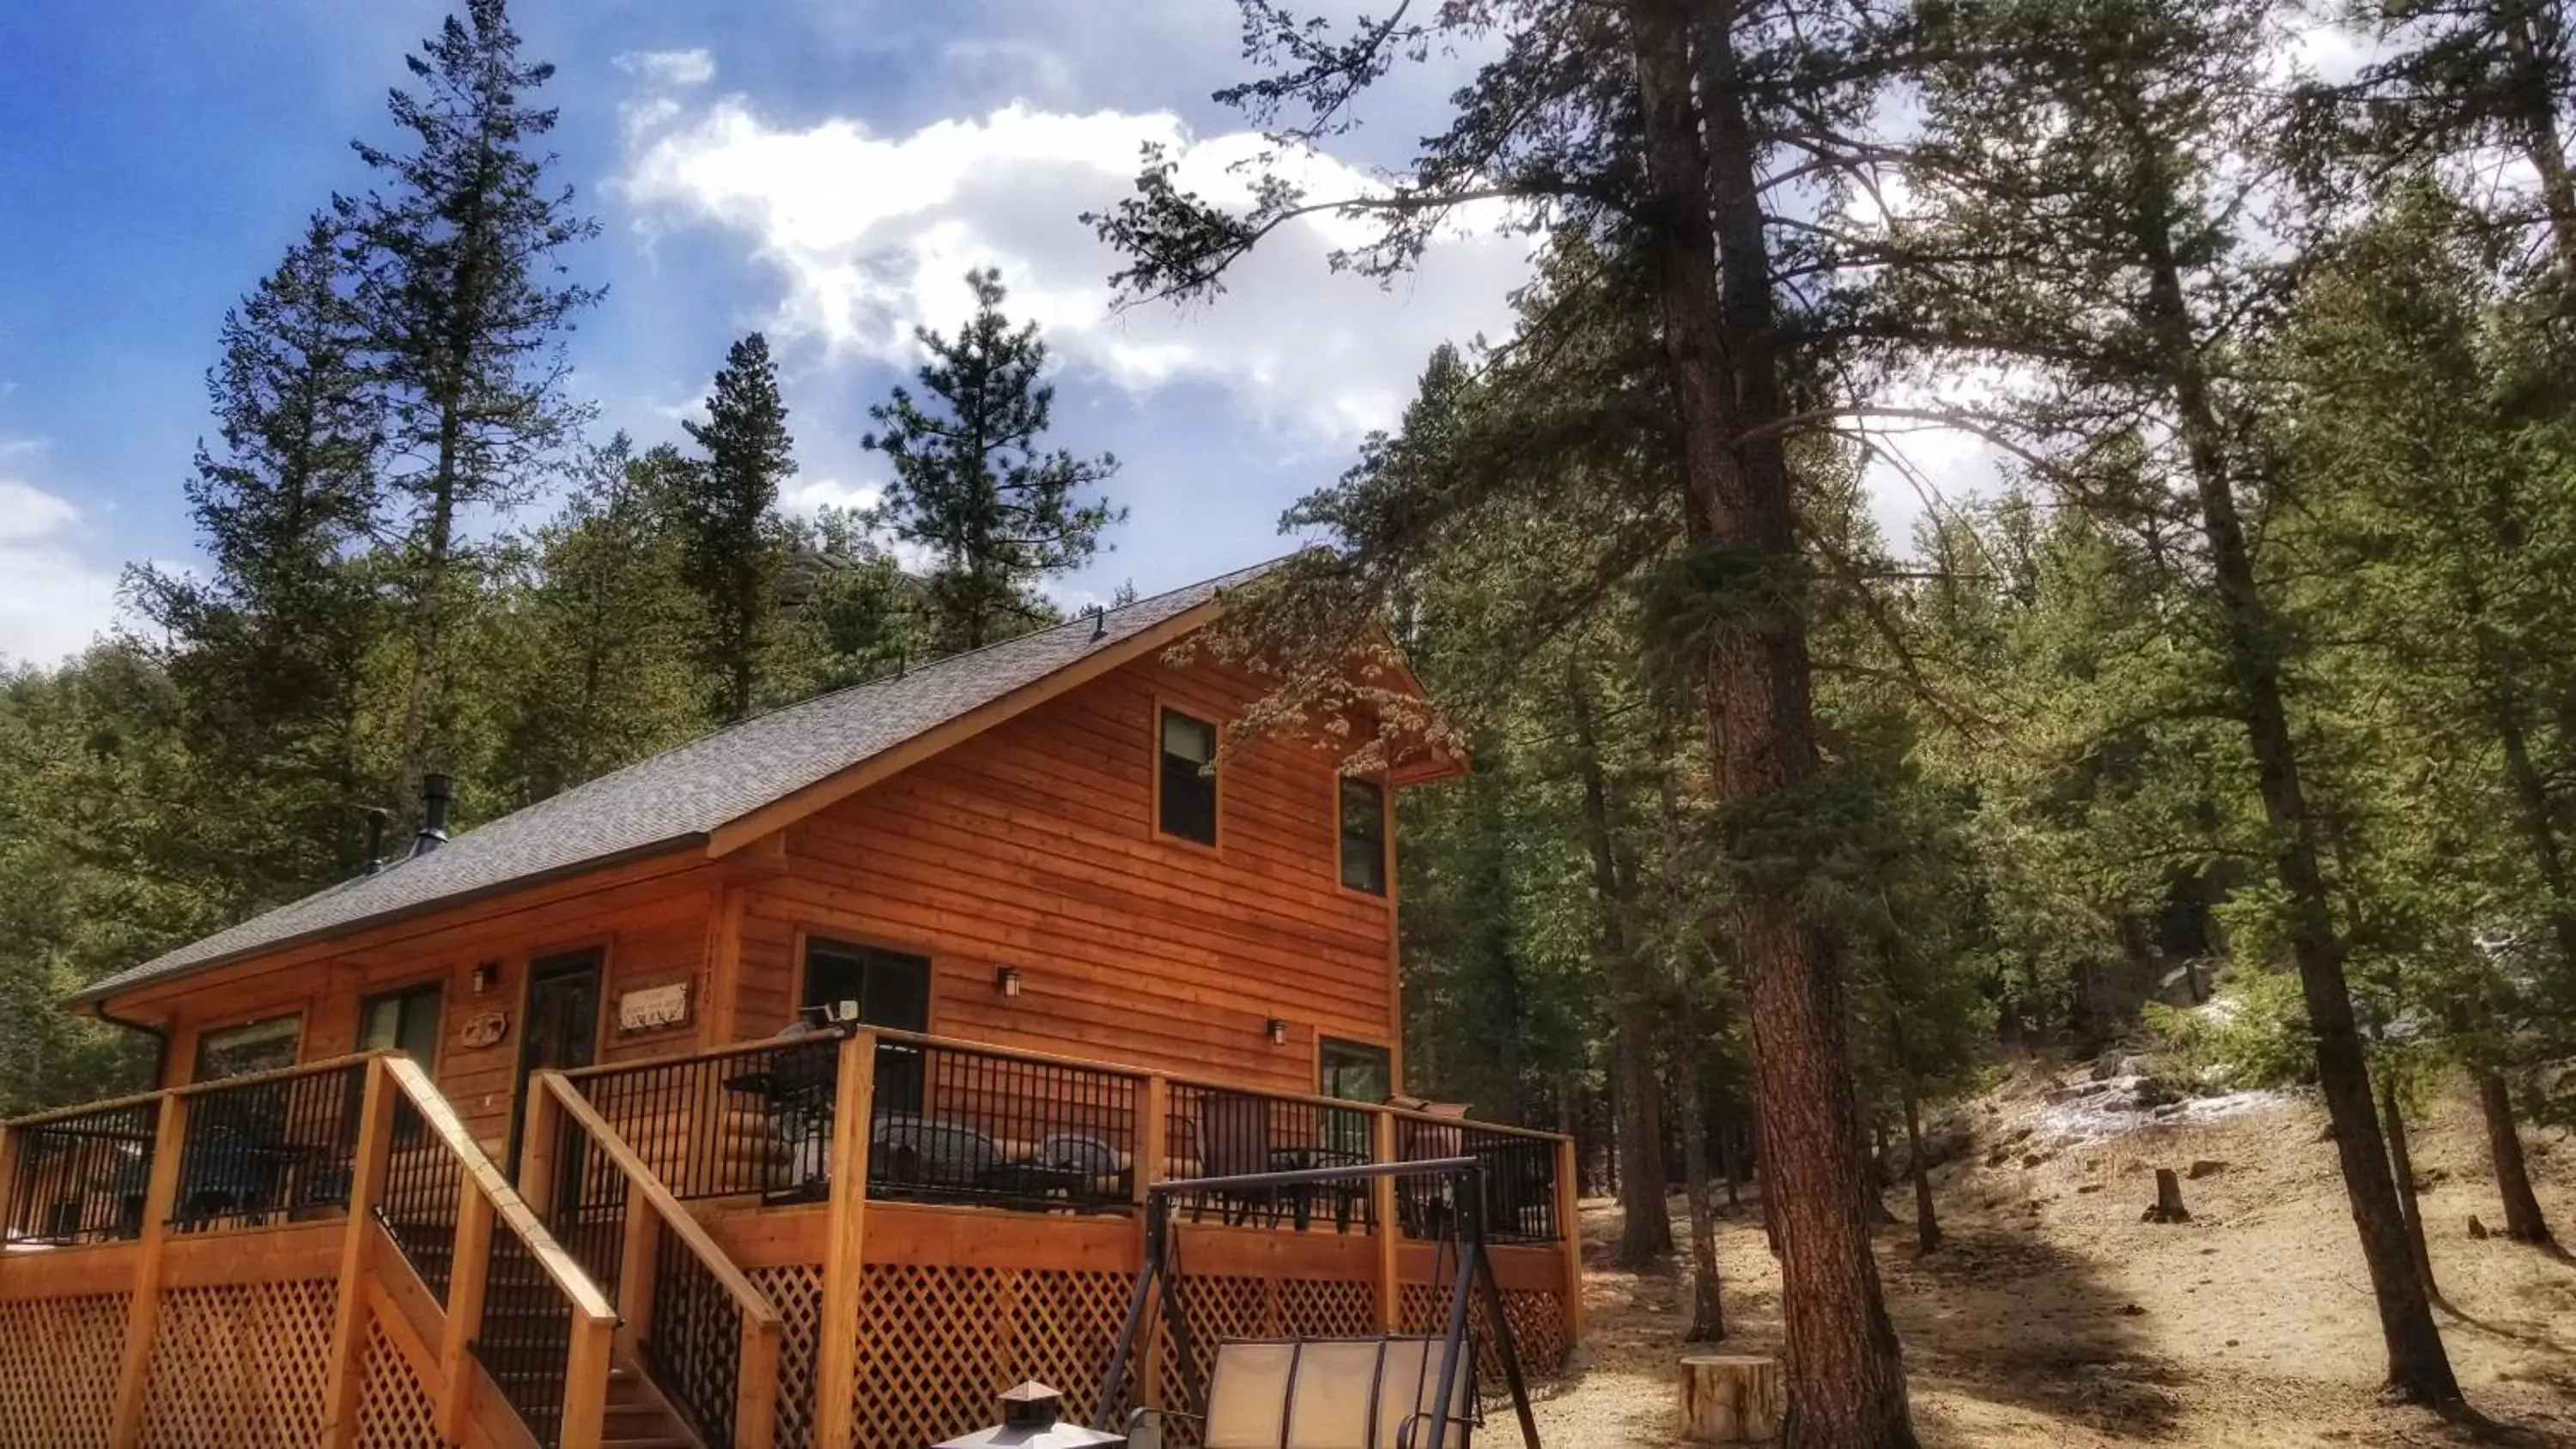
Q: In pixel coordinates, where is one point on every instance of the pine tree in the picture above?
(2081, 188)
(728, 510)
(605, 630)
(1668, 142)
(459, 255)
(971, 485)
(267, 651)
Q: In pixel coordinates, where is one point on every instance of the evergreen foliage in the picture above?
(728, 507)
(971, 485)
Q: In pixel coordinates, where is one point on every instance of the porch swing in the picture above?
(1389, 1391)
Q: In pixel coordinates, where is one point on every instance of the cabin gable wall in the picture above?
(1034, 846)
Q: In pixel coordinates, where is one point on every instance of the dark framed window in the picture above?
(406, 1019)
(892, 989)
(1355, 1071)
(238, 1051)
(1187, 804)
(1364, 835)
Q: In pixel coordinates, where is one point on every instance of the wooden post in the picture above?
(585, 1404)
(536, 1182)
(348, 1360)
(836, 1359)
(1153, 1161)
(635, 1269)
(1732, 1398)
(1390, 1233)
(755, 1404)
(1569, 1227)
(143, 1311)
(467, 1274)
(8, 1194)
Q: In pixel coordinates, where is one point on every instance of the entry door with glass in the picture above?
(559, 1031)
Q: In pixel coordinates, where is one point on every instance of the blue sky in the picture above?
(822, 171)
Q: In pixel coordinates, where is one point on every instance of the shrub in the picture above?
(2253, 1033)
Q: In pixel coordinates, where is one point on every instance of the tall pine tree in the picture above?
(728, 511)
(971, 485)
(460, 254)
(266, 651)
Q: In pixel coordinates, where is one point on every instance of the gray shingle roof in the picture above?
(680, 796)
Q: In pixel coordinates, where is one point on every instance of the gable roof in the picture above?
(684, 796)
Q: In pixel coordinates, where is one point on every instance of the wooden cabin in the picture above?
(797, 1087)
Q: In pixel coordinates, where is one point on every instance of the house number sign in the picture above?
(652, 1007)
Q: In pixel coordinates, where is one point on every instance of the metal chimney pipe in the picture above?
(377, 817)
(435, 793)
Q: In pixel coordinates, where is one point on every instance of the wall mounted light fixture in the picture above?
(1278, 1032)
(1007, 981)
(485, 975)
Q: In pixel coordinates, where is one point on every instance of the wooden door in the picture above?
(558, 1031)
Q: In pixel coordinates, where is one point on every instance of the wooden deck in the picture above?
(840, 1240)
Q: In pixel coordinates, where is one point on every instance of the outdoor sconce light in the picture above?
(1007, 981)
(1278, 1032)
(485, 975)
(1032, 1418)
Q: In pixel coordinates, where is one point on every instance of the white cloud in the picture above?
(813, 495)
(676, 69)
(872, 234)
(53, 602)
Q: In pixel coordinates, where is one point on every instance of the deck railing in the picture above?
(1215, 1131)
(269, 1148)
(79, 1175)
(958, 1123)
(745, 1120)
(710, 1338)
(1520, 1184)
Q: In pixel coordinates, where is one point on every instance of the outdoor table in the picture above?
(1301, 1198)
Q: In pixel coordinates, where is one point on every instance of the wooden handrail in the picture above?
(641, 1179)
(507, 1206)
(192, 1089)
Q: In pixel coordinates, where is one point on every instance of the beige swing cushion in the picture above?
(1331, 1394)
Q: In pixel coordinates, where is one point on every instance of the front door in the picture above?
(559, 1030)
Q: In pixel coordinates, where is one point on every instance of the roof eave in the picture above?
(95, 996)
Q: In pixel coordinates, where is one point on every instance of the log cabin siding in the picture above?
(1035, 847)
(1032, 845)
(651, 930)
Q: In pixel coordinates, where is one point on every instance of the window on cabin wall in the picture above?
(1363, 813)
(1353, 1071)
(890, 989)
(237, 1051)
(406, 1020)
(1187, 803)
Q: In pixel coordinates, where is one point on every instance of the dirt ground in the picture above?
(2054, 1317)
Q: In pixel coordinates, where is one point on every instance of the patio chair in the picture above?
(930, 1153)
(1357, 1393)
(1233, 1133)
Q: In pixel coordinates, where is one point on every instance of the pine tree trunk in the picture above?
(2542, 146)
(1847, 1378)
(1646, 1231)
(1927, 1227)
(2418, 1368)
(2401, 1161)
(1708, 1306)
(2522, 1217)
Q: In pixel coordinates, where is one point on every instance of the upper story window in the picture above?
(405, 1019)
(1185, 803)
(1363, 813)
(888, 987)
(237, 1051)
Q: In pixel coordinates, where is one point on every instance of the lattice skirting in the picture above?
(241, 1366)
(1537, 1319)
(394, 1410)
(938, 1343)
(58, 1359)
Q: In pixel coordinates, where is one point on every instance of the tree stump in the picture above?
(2168, 1206)
(1733, 1398)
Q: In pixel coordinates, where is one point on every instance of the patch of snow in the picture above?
(2089, 1112)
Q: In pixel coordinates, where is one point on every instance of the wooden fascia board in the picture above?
(832, 789)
